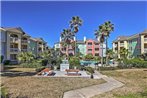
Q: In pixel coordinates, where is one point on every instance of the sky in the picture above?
(47, 19)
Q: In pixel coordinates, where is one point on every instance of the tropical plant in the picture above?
(144, 56)
(89, 57)
(90, 70)
(74, 61)
(124, 53)
(25, 56)
(75, 22)
(103, 33)
(110, 54)
(66, 37)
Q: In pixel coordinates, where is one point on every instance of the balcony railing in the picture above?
(13, 39)
(89, 46)
(122, 44)
(115, 45)
(145, 39)
(89, 51)
(145, 50)
(13, 49)
(24, 41)
(24, 50)
(96, 46)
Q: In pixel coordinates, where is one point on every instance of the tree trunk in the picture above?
(106, 50)
(67, 51)
(102, 55)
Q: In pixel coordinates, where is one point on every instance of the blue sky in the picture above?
(47, 19)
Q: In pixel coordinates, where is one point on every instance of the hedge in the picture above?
(135, 63)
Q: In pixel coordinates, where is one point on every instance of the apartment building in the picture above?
(15, 40)
(136, 44)
(85, 46)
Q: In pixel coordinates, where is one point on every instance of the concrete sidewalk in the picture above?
(91, 91)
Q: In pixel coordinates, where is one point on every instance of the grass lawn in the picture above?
(135, 81)
(41, 87)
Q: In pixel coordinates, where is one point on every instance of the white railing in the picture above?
(115, 45)
(24, 50)
(13, 39)
(24, 41)
(13, 49)
(145, 50)
(145, 39)
(96, 46)
(121, 44)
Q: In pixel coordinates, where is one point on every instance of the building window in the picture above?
(89, 44)
(96, 49)
(13, 56)
(97, 54)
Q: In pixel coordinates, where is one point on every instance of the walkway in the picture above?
(91, 91)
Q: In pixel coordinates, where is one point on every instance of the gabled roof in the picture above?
(40, 39)
(121, 38)
(14, 29)
(144, 32)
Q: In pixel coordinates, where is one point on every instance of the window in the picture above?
(96, 49)
(89, 43)
(13, 56)
(97, 54)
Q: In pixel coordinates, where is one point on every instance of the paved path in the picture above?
(91, 91)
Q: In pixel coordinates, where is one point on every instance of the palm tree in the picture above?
(75, 23)
(66, 37)
(25, 56)
(107, 28)
(100, 36)
(74, 26)
(124, 53)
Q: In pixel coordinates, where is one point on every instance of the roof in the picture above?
(14, 29)
(144, 32)
(40, 39)
(121, 38)
(133, 36)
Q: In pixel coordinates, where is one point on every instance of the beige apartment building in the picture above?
(15, 40)
(136, 44)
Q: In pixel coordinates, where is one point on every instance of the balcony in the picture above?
(115, 45)
(24, 50)
(145, 40)
(89, 52)
(145, 50)
(13, 49)
(121, 44)
(24, 41)
(13, 39)
(89, 46)
(96, 46)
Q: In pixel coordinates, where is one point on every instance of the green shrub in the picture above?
(108, 68)
(4, 93)
(137, 63)
(89, 69)
(7, 62)
(33, 64)
(44, 62)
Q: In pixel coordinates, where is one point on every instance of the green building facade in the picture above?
(81, 47)
(134, 45)
(33, 46)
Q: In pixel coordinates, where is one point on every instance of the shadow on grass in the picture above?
(17, 73)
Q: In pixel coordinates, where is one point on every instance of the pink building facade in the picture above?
(92, 47)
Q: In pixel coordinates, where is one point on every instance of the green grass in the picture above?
(135, 81)
(42, 87)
